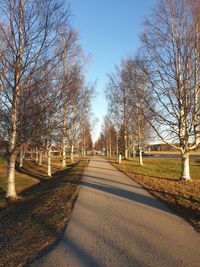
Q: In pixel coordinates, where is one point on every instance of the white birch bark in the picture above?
(149, 151)
(117, 148)
(31, 154)
(36, 155)
(63, 153)
(40, 158)
(11, 192)
(134, 152)
(64, 134)
(49, 161)
(125, 144)
(21, 157)
(72, 153)
(140, 157)
(107, 149)
(185, 175)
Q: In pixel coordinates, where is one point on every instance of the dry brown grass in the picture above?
(32, 224)
(182, 197)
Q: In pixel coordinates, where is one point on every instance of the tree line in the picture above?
(157, 90)
(44, 98)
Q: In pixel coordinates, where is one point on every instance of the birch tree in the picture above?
(171, 48)
(139, 125)
(118, 103)
(29, 32)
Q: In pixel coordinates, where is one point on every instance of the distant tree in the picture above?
(119, 106)
(139, 123)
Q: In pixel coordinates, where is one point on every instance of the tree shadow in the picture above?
(73, 248)
(109, 169)
(80, 253)
(43, 200)
(2, 193)
(152, 176)
(32, 174)
(112, 181)
(133, 196)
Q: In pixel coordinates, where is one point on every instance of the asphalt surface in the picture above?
(115, 222)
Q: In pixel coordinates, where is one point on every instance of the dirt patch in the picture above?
(32, 224)
(182, 197)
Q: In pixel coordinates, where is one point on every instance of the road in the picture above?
(116, 223)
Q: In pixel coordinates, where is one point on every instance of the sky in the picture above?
(108, 31)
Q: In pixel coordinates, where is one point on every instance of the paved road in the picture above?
(117, 223)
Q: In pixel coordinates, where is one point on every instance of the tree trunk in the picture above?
(110, 147)
(119, 158)
(185, 175)
(126, 153)
(21, 157)
(31, 154)
(15, 97)
(72, 153)
(36, 155)
(49, 161)
(117, 148)
(125, 146)
(63, 153)
(40, 158)
(140, 157)
(11, 192)
(134, 152)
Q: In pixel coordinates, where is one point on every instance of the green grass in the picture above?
(162, 168)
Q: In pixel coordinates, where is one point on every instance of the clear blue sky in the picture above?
(108, 31)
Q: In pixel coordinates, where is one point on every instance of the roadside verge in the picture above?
(32, 225)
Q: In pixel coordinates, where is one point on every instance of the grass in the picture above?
(29, 175)
(162, 167)
(161, 177)
(32, 224)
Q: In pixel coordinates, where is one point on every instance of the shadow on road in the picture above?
(140, 198)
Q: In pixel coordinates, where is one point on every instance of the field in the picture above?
(33, 223)
(161, 177)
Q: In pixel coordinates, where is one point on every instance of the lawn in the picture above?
(29, 175)
(33, 223)
(162, 167)
(161, 177)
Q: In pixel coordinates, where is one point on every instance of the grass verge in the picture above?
(182, 197)
(162, 167)
(35, 222)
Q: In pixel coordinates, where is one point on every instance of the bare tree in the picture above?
(171, 48)
(29, 33)
(139, 124)
(119, 106)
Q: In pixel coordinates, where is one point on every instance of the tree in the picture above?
(29, 33)
(119, 106)
(171, 49)
(139, 124)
